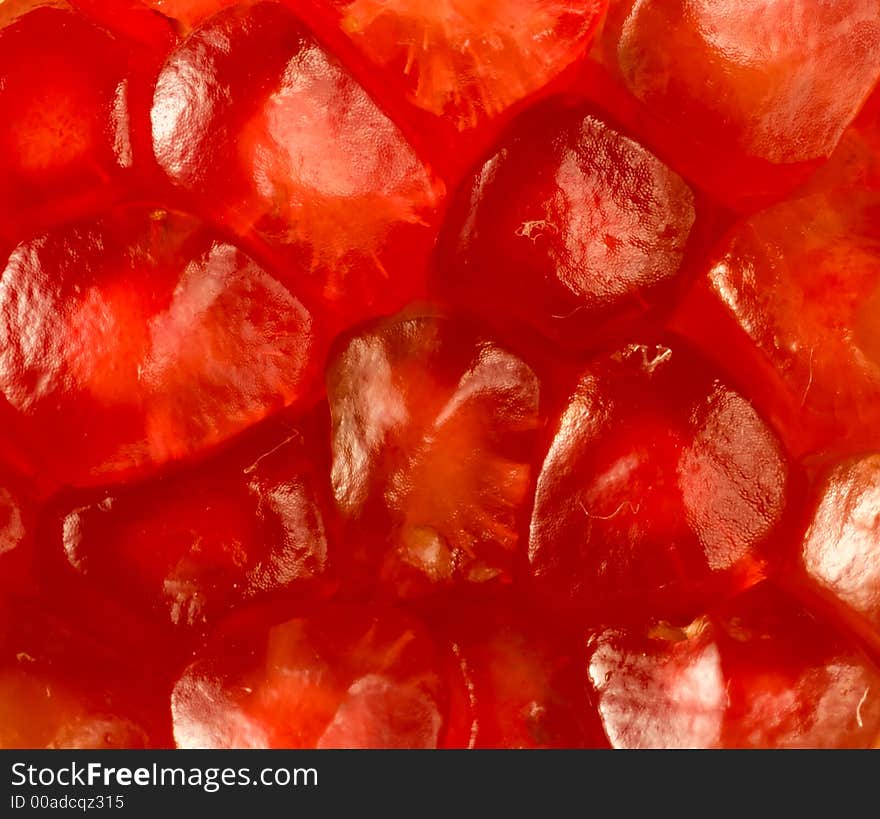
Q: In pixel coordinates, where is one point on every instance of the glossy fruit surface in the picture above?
(244, 525)
(662, 489)
(149, 336)
(454, 374)
(837, 555)
(760, 672)
(800, 280)
(66, 103)
(433, 437)
(470, 61)
(592, 227)
(751, 98)
(294, 151)
(343, 678)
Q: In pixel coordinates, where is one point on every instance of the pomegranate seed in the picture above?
(433, 433)
(140, 338)
(760, 672)
(748, 99)
(265, 130)
(662, 489)
(590, 225)
(343, 677)
(242, 525)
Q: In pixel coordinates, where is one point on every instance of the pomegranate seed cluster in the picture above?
(404, 374)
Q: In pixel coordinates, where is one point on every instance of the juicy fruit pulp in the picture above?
(450, 52)
(768, 88)
(433, 434)
(66, 141)
(51, 699)
(245, 525)
(662, 489)
(386, 373)
(759, 672)
(799, 279)
(296, 153)
(592, 226)
(343, 677)
(149, 336)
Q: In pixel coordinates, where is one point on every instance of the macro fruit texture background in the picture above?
(466, 373)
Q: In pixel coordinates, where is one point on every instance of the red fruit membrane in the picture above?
(794, 288)
(590, 226)
(344, 677)
(662, 490)
(433, 434)
(840, 551)
(68, 102)
(141, 338)
(752, 98)
(58, 690)
(243, 525)
(266, 131)
(523, 678)
(470, 62)
(759, 672)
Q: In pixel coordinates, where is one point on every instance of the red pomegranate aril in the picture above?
(433, 438)
(41, 711)
(758, 672)
(839, 556)
(796, 285)
(297, 453)
(17, 521)
(149, 35)
(662, 490)
(266, 131)
(244, 525)
(570, 228)
(141, 338)
(468, 64)
(59, 690)
(342, 677)
(66, 145)
(524, 680)
(753, 98)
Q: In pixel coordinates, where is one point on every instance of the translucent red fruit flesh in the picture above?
(662, 490)
(433, 435)
(243, 525)
(839, 555)
(588, 224)
(140, 338)
(794, 289)
(187, 14)
(758, 672)
(17, 517)
(523, 676)
(159, 11)
(470, 62)
(265, 130)
(148, 35)
(59, 690)
(66, 145)
(752, 97)
(856, 161)
(344, 677)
